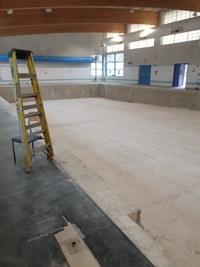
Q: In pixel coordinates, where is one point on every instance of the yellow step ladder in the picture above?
(24, 107)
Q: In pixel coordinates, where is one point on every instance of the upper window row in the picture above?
(177, 15)
(168, 17)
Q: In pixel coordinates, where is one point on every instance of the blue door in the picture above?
(180, 72)
(145, 74)
(177, 68)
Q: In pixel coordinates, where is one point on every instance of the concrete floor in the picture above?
(32, 207)
(130, 156)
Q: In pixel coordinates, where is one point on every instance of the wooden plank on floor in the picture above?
(74, 248)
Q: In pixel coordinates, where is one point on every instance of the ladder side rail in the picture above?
(20, 112)
(36, 89)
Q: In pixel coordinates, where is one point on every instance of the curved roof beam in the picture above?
(37, 17)
(193, 5)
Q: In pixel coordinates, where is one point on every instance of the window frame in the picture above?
(95, 70)
(115, 61)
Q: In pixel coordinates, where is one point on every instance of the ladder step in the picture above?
(35, 133)
(32, 106)
(21, 54)
(39, 149)
(29, 95)
(26, 75)
(32, 114)
(33, 125)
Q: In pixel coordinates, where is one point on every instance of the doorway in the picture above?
(145, 74)
(180, 75)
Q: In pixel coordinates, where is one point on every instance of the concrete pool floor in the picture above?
(129, 157)
(45, 211)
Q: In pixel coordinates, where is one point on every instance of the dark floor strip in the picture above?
(32, 207)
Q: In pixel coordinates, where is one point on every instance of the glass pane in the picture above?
(133, 45)
(93, 72)
(109, 49)
(99, 58)
(119, 72)
(120, 47)
(193, 35)
(110, 58)
(99, 66)
(142, 44)
(150, 42)
(119, 65)
(114, 48)
(99, 72)
(119, 57)
(168, 39)
(110, 73)
(181, 14)
(181, 37)
(110, 65)
(92, 66)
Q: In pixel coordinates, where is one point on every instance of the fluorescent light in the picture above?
(176, 30)
(48, 10)
(10, 11)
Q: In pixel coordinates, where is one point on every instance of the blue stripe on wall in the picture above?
(54, 59)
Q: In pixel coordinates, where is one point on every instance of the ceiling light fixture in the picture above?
(48, 10)
(10, 11)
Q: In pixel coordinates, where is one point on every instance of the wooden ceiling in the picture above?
(31, 17)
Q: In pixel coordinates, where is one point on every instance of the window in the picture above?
(181, 37)
(177, 15)
(97, 66)
(141, 43)
(115, 64)
(114, 48)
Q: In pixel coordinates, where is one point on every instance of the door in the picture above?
(180, 75)
(145, 74)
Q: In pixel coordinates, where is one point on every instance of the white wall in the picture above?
(66, 44)
(161, 58)
(162, 75)
(51, 73)
(69, 44)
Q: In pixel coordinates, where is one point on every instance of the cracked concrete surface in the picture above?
(130, 156)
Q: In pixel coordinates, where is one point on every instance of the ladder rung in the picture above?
(32, 114)
(32, 106)
(29, 95)
(39, 149)
(33, 125)
(26, 76)
(35, 133)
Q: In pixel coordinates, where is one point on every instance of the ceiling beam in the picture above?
(39, 17)
(69, 28)
(193, 5)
